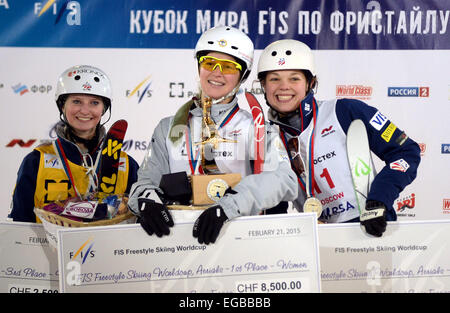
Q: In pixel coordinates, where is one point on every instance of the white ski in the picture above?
(360, 161)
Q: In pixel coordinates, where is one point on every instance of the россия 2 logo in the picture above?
(408, 91)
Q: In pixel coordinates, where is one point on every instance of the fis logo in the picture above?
(141, 93)
(408, 91)
(84, 254)
(51, 161)
(72, 8)
(281, 61)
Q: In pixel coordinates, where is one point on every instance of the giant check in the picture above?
(411, 256)
(27, 263)
(274, 253)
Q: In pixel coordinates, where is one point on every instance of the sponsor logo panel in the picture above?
(445, 148)
(354, 91)
(405, 206)
(378, 120)
(422, 92)
(446, 206)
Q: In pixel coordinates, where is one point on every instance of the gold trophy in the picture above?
(210, 139)
(210, 187)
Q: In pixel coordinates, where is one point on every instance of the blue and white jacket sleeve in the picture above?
(400, 153)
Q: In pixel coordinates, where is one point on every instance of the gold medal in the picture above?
(216, 189)
(312, 205)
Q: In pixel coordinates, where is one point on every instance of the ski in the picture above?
(360, 161)
(110, 157)
(259, 126)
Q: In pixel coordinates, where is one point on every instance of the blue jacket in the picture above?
(23, 203)
(388, 183)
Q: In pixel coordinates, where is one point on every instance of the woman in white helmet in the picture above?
(315, 131)
(224, 56)
(69, 165)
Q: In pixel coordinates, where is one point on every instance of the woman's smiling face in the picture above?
(215, 84)
(83, 113)
(285, 89)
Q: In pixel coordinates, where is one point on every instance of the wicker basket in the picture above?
(52, 222)
(67, 222)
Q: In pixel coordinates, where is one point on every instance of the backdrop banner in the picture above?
(393, 55)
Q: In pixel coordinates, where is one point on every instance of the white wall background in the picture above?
(424, 119)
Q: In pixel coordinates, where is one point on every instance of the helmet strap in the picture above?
(109, 117)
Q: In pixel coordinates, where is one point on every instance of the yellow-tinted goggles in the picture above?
(210, 63)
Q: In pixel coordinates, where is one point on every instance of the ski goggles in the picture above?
(210, 63)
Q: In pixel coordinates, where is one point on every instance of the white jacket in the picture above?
(169, 153)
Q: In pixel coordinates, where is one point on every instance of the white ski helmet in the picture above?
(286, 54)
(227, 40)
(84, 79)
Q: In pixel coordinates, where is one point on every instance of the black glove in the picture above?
(155, 218)
(373, 217)
(280, 208)
(209, 224)
(176, 187)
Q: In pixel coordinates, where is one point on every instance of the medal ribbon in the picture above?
(65, 164)
(309, 186)
(285, 142)
(192, 161)
(311, 180)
